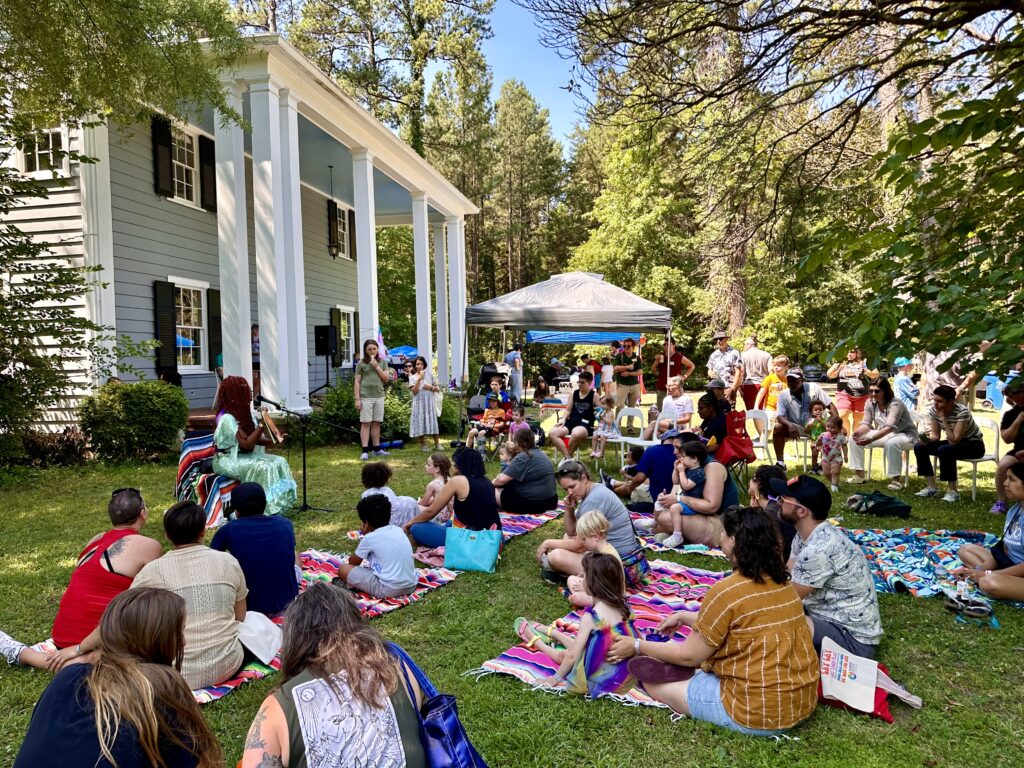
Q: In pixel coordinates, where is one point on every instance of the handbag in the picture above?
(737, 445)
(442, 734)
(467, 550)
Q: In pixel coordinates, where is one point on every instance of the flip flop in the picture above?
(531, 631)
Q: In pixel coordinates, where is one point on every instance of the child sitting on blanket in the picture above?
(439, 470)
(689, 476)
(592, 528)
(382, 565)
(583, 666)
(376, 476)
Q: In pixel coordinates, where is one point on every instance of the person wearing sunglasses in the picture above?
(887, 424)
(106, 567)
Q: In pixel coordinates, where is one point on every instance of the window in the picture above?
(190, 326)
(340, 234)
(184, 166)
(43, 153)
(346, 335)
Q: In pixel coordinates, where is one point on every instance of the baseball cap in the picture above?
(807, 491)
(248, 499)
(555, 361)
(715, 384)
(669, 435)
(901, 361)
(795, 373)
(720, 335)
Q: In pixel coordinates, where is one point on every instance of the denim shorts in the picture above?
(704, 699)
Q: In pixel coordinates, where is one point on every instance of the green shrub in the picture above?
(339, 408)
(138, 420)
(46, 449)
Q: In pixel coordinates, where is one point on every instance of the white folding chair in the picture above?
(624, 414)
(916, 418)
(760, 418)
(983, 423)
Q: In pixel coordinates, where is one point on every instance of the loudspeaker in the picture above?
(325, 340)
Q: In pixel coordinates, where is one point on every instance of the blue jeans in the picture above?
(430, 535)
(704, 698)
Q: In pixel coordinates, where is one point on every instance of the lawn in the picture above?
(970, 678)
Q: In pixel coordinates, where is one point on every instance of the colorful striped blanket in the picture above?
(673, 588)
(212, 492)
(648, 541)
(511, 526)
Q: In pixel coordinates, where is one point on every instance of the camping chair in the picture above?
(983, 423)
(760, 418)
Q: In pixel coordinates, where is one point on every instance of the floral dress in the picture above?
(593, 674)
(423, 420)
(607, 426)
(269, 471)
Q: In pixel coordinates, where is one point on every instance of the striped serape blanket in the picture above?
(511, 526)
(323, 566)
(212, 492)
(648, 541)
(673, 588)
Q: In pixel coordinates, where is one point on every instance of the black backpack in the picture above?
(880, 505)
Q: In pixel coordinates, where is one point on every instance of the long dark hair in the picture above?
(135, 683)
(758, 544)
(325, 632)
(235, 397)
(469, 463)
(606, 581)
(887, 394)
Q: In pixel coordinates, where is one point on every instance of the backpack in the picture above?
(877, 503)
(737, 445)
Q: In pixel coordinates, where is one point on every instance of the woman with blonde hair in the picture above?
(130, 708)
(343, 693)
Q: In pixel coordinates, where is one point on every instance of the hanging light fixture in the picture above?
(332, 241)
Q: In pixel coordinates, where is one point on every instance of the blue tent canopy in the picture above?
(405, 350)
(575, 337)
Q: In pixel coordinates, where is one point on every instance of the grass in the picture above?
(969, 678)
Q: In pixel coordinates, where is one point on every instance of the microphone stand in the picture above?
(304, 419)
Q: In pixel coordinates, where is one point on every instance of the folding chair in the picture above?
(870, 449)
(760, 417)
(621, 441)
(983, 423)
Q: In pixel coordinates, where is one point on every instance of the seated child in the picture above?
(491, 422)
(376, 476)
(607, 428)
(518, 421)
(690, 477)
(592, 529)
(506, 453)
(832, 446)
(438, 469)
(815, 427)
(583, 665)
(382, 565)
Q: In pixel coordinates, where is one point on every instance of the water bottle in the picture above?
(392, 444)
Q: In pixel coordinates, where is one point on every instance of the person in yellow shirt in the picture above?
(771, 386)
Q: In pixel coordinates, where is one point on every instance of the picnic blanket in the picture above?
(917, 561)
(673, 588)
(323, 566)
(647, 541)
(511, 526)
(212, 492)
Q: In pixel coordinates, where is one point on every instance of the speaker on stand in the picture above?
(325, 344)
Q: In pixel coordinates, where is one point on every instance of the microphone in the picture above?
(260, 400)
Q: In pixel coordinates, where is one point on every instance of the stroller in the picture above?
(488, 371)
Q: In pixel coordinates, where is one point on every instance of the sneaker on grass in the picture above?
(951, 497)
(364, 456)
(10, 648)
(928, 492)
(999, 508)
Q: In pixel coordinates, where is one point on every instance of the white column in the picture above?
(441, 301)
(232, 240)
(98, 243)
(296, 344)
(421, 260)
(457, 300)
(463, 295)
(269, 213)
(366, 245)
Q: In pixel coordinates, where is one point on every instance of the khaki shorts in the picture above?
(369, 582)
(371, 409)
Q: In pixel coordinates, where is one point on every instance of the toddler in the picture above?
(815, 427)
(382, 565)
(376, 476)
(606, 428)
(592, 531)
(832, 446)
(438, 469)
(689, 475)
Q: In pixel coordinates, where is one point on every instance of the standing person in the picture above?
(829, 571)
(579, 419)
(527, 485)
(423, 421)
(888, 424)
(628, 369)
(749, 664)
(255, 341)
(514, 360)
(852, 390)
(242, 447)
(370, 380)
(831, 445)
(726, 364)
(757, 365)
(680, 365)
(129, 707)
(264, 546)
(906, 390)
(771, 386)
(958, 375)
(963, 441)
(608, 368)
(1011, 430)
(794, 405)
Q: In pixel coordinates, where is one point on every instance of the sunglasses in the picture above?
(874, 391)
(119, 491)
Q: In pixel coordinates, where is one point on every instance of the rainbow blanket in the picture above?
(212, 492)
(648, 541)
(673, 588)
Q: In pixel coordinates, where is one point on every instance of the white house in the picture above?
(203, 229)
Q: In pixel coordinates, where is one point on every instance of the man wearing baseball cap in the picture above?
(829, 571)
(794, 404)
(726, 364)
(906, 390)
(717, 389)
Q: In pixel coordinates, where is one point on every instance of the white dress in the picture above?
(423, 420)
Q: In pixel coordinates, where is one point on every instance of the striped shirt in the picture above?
(960, 413)
(764, 654)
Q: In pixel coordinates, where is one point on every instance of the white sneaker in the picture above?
(364, 456)
(673, 541)
(644, 524)
(927, 492)
(835, 488)
(10, 648)
(856, 480)
(951, 497)
(380, 452)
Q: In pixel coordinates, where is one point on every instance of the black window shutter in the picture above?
(338, 360)
(163, 174)
(352, 234)
(213, 331)
(207, 174)
(357, 350)
(163, 302)
(332, 225)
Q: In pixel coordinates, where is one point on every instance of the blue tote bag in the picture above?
(441, 733)
(466, 550)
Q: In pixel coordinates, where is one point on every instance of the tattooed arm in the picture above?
(266, 746)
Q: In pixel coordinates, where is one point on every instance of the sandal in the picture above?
(975, 609)
(531, 631)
